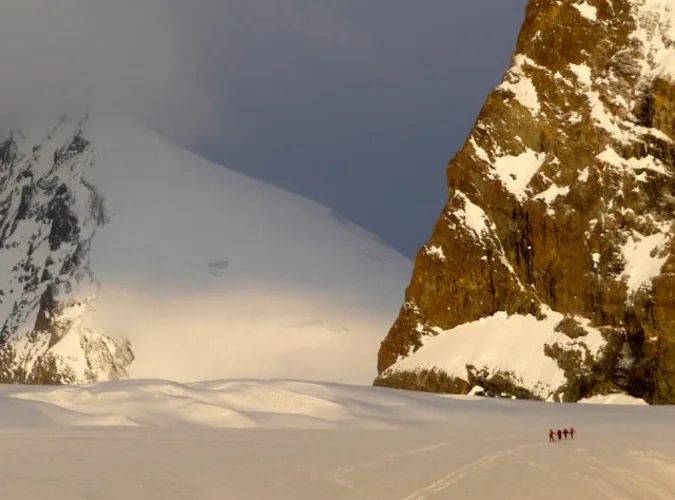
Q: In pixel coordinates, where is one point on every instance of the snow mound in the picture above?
(614, 399)
(228, 404)
(249, 404)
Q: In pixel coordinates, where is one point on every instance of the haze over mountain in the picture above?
(332, 100)
(126, 256)
(355, 104)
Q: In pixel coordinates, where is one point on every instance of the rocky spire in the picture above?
(549, 273)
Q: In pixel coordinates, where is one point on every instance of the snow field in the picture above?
(157, 440)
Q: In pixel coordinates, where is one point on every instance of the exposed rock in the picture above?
(571, 327)
(561, 200)
(434, 380)
(49, 214)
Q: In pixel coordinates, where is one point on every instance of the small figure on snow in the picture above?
(559, 434)
(572, 431)
(566, 432)
(551, 436)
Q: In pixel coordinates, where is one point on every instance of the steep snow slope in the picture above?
(179, 268)
(245, 439)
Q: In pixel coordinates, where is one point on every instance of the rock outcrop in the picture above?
(48, 215)
(550, 272)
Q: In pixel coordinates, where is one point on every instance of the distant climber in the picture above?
(566, 432)
(559, 434)
(572, 431)
(551, 436)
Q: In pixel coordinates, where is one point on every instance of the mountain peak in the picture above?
(549, 272)
(124, 256)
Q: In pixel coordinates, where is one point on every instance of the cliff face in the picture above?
(549, 273)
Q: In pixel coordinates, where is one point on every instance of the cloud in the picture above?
(333, 100)
(359, 104)
(149, 56)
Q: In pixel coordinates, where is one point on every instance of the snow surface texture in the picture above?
(292, 440)
(202, 272)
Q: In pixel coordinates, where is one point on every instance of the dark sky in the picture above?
(359, 104)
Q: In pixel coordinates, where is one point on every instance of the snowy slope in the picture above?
(293, 440)
(194, 271)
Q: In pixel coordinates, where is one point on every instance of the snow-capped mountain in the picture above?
(122, 256)
(549, 273)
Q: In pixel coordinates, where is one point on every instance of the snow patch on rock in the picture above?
(521, 85)
(516, 171)
(583, 73)
(614, 399)
(435, 251)
(502, 343)
(632, 165)
(587, 10)
(643, 259)
(473, 217)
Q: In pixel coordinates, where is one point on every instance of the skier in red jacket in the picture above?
(551, 436)
(572, 431)
(559, 434)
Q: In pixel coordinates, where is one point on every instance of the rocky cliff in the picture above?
(549, 274)
(49, 214)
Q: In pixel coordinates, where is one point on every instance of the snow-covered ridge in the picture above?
(226, 404)
(126, 256)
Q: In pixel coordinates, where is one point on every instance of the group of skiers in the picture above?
(552, 434)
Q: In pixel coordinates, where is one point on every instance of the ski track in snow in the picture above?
(601, 479)
(338, 475)
(458, 474)
(291, 464)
